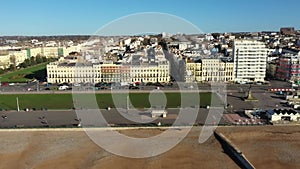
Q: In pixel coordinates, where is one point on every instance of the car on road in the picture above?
(48, 84)
(157, 84)
(134, 87)
(63, 87)
(77, 84)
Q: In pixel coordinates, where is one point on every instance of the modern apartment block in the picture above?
(289, 68)
(209, 70)
(250, 61)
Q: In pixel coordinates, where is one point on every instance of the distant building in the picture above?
(287, 31)
(272, 68)
(68, 72)
(289, 68)
(150, 72)
(250, 60)
(4, 60)
(12, 57)
(110, 72)
(137, 68)
(52, 52)
(209, 70)
(291, 51)
(106, 72)
(11, 41)
(17, 55)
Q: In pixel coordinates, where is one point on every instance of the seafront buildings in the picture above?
(209, 70)
(138, 67)
(15, 50)
(18, 55)
(247, 64)
(228, 57)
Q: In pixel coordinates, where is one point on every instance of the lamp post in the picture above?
(18, 107)
(37, 85)
(127, 103)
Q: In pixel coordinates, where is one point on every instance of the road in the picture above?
(69, 118)
(233, 88)
(265, 101)
(35, 87)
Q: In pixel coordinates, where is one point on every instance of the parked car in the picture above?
(134, 87)
(77, 84)
(63, 87)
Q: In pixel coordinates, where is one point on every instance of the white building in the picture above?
(4, 60)
(209, 70)
(138, 68)
(283, 115)
(250, 60)
(159, 113)
(12, 57)
(18, 55)
(73, 73)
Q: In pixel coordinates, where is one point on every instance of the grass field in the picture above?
(24, 75)
(138, 100)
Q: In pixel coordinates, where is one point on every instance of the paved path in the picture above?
(69, 118)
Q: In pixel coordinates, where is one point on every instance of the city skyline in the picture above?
(34, 18)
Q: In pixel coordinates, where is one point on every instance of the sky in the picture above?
(86, 17)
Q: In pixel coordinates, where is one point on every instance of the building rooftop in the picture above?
(75, 64)
(282, 111)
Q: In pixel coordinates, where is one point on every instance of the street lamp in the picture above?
(18, 107)
(37, 85)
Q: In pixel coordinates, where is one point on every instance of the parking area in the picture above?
(237, 119)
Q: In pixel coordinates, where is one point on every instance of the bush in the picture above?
(2, 71)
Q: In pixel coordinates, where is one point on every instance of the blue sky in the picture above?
(59, 17)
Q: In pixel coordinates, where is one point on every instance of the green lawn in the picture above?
(24, 75)
(65, 101)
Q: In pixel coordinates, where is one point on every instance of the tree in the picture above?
(27, 62)
(11, 67)
(2, 71)
(38, 59)
(44, 59)
(23, 65)
(32, 61)
(13, 60)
